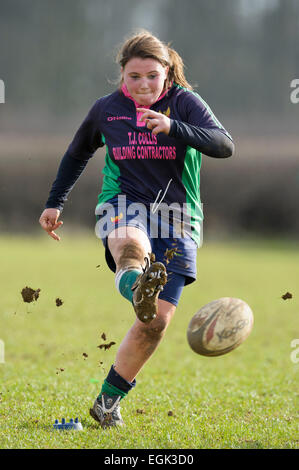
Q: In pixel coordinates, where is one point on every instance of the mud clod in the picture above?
(29, 295)
(286, 296)
(152, 257)
(106, 346)
(170, 254)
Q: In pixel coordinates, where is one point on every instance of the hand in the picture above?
(48, 221)
(157, 122)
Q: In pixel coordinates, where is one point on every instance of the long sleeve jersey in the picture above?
(139, 164)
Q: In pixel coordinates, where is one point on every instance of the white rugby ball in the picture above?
(220, 326)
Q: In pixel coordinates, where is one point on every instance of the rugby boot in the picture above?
(146, 290)
(106, 411)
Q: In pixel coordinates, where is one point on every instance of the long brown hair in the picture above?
(145, 45)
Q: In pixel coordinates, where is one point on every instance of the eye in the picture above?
(153, 76)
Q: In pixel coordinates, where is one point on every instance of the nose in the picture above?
(144, 84)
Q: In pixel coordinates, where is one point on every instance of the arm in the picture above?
(200, 128)
(68, 173)
(212, 142)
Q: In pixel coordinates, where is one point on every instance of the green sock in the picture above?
(111, 390)
(124, 280)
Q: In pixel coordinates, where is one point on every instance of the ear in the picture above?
(166, 71)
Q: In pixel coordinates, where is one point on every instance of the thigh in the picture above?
(179, 256)
(124, 236)
(173, 288)
(118, 226)
(178, 251)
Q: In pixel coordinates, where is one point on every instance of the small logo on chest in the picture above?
(167, 112)
(118, 118)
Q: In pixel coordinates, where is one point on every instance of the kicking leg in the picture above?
(136, 279)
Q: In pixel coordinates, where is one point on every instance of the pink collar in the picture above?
(137, 105)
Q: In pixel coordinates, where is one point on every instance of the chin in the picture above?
(149, 102)
(146, 101)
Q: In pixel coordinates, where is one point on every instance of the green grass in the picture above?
(245, 399)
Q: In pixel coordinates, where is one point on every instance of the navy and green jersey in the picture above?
(139, 164)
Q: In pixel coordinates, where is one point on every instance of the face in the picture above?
(144, 79)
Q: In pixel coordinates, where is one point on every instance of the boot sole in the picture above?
(148, 289)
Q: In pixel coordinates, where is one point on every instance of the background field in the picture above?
(56, 59)
(246, 399)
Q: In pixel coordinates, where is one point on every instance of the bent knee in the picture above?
(158, 326)
(130, 253)
(128, 246)
(131, 250)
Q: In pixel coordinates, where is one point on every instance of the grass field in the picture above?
(53, 367)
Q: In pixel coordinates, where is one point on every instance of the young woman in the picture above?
(149, 212)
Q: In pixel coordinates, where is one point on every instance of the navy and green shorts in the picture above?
(177, 253)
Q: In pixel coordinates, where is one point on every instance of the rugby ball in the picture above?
(220, 326)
